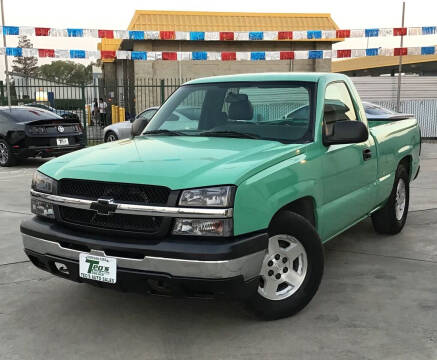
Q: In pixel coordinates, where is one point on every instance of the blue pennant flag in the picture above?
(315, 54)
(75, 32)
(139, 55)
(197, 35)
(256, 35)
(314, 34)
(136, 35)
(14, 51)
(199, 55)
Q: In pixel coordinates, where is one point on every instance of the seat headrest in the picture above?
(240, 107)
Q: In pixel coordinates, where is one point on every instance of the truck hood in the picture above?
(174, 161)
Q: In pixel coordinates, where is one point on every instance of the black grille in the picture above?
(134, 223)
(93, 190)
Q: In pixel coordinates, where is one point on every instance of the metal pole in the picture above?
(8, 85)
(398, 103)
(180, 65)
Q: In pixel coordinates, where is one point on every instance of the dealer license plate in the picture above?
(62, 141)
(98, 268)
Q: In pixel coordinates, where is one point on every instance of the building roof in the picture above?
(279, 76)
(160, 20)
(372, 62)
(228, 21)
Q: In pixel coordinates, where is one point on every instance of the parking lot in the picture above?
(377, 300)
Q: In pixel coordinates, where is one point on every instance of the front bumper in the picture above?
(180, 266)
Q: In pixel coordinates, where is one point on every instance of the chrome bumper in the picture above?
(248, 266)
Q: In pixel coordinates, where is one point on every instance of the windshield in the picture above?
(281, 111)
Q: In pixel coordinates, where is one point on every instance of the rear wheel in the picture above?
(111, 136)
(392, 217)
(292, 268)
(6, 156)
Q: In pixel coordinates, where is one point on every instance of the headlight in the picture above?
(203, 227)
(43, 183)
(218, 196)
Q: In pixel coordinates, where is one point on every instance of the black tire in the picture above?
(111, 136)
(384, 220)
(6, 156)
(289, 223)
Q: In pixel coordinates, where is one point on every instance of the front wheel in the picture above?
(111, 136)
(6, 156)
(292, 268)
(391, 218)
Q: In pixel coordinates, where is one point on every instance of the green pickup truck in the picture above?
(236, 199)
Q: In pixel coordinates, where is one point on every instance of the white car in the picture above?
(122, 130)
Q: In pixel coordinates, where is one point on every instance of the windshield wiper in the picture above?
(229, 134)
(164, 132)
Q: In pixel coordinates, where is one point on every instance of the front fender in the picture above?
(259, 197)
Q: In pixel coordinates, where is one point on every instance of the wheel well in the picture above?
(304, 207)
(406, 161)
(109, 132)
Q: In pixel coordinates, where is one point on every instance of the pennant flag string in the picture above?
(219, 35)
(220, 56)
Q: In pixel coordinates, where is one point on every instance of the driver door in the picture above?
(349, 170)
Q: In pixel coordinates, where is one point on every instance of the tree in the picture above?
(67, 72)
(26, 66)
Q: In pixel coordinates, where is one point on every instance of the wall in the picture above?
(418, 97)
(194, 69)
(385, 87)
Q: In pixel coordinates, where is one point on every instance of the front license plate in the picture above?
(62, 141)
(98, 268)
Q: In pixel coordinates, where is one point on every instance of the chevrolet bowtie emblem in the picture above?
(104, 206)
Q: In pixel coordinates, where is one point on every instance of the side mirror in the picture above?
(138, 126)
(347, 132)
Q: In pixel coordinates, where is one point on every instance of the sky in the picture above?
(116, 14)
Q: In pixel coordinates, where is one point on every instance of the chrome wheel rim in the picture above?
(3, 154)
(284, 268)
(400, 200)
(111, 137)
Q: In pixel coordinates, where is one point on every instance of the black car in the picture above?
(29, 132)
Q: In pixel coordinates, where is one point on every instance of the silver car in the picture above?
(122, 130)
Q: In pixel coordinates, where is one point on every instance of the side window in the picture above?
(186, 115)
(338, 106)
(147, 115)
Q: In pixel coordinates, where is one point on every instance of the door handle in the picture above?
(367, 154)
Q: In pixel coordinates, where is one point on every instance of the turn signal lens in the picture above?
(203, 227)
(42, 208)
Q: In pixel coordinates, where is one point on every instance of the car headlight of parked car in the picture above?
(45, 184)
(215, 197)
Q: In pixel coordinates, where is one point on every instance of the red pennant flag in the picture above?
(229, 55)
(107, 34)
(341, 34)
(167, 35)
(285, 35)
(40, 31)
(167, 55)
(108, 54)
(401, 51)
(286, 55)
(46, 53)
(344, 53)
(226, 35)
